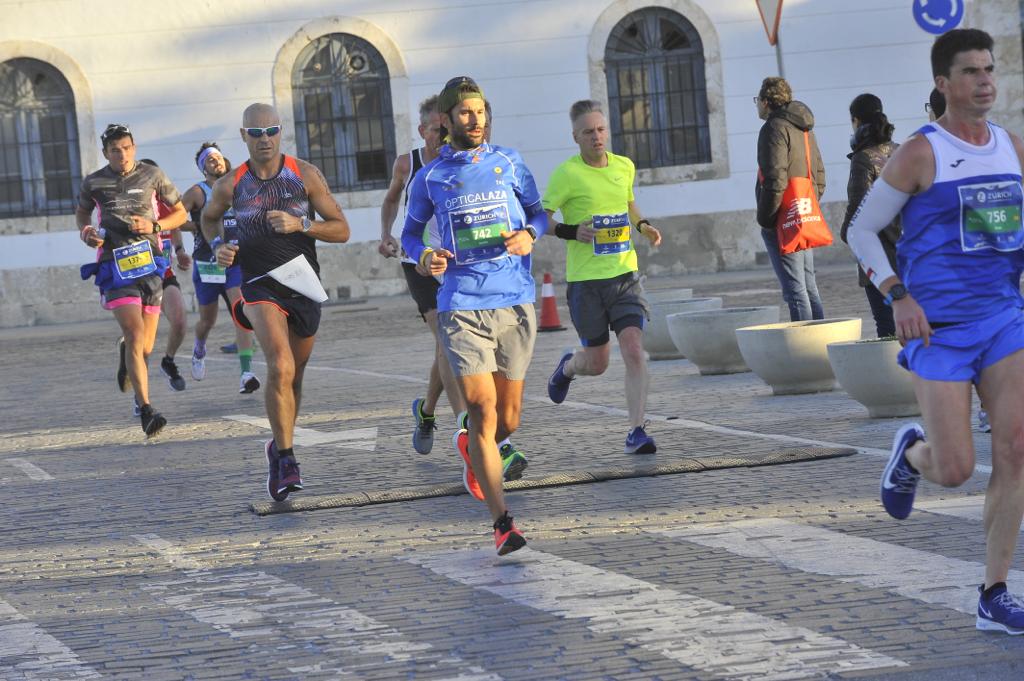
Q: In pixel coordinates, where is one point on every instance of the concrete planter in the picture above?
(792, 357)
(657, 342)
(662, 295)
(868, 372)
(708, 339)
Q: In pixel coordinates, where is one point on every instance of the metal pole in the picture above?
(778, 53)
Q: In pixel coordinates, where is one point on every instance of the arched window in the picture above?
(40, 169)
(657, 97)
(343, 121)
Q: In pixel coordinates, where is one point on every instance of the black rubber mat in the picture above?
(690, 465)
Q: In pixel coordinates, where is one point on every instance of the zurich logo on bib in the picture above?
(990, 216)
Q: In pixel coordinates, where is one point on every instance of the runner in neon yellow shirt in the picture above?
(594, 193)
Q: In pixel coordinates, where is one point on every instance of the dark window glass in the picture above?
(343, 118)
(657, 97)
(40, 171)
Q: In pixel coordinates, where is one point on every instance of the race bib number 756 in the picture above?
(990, 216)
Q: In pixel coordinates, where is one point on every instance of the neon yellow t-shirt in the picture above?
(583, 192)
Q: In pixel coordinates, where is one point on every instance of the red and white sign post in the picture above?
(771, 15)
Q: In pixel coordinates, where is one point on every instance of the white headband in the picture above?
(206, 153)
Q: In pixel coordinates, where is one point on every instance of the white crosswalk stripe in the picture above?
(33, 471)
(246, 604)
(705, 635)
(920, 575)
(966, 507)
(28, 653)
(355, 438)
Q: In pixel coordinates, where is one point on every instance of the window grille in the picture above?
(343, 119)
(40, 170)
(657, 96)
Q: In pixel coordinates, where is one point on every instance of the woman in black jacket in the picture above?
(872, 146)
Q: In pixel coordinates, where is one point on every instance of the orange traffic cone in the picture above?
(548, 307)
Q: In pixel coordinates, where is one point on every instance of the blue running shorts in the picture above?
(960, 352)
(208, 293)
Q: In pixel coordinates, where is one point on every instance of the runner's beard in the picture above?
(463, 141)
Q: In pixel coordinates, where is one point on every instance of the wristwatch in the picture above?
(156, 227)
(531, 231)
(307, 224)
(896, 292)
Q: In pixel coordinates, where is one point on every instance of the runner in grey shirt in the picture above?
(129, 266)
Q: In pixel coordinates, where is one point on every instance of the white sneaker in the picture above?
(249, 383)
(198, 368)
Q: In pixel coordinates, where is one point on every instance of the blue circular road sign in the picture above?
(938, 16)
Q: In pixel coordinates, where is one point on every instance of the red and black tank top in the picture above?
(260, 248)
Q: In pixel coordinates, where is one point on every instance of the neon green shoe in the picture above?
(513, 462)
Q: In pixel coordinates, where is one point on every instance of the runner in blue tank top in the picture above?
(956, 302)
(488, 214)
(273, 197)
(211, 281)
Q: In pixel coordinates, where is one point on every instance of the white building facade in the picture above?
(677, 76)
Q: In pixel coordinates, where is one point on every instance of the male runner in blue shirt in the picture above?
(956, 302)
(489, 213)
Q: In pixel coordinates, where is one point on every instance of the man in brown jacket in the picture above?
(780, 155)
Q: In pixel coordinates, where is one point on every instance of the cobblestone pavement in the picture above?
(122, 559)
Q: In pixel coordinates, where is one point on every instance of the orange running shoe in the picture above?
(461, 442)
(507, 537)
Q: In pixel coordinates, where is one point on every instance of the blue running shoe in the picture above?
(558, 384)
(423, 434)
(1001, 611)
(639, 442)
(899, 479)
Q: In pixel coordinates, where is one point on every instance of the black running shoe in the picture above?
(169, 369)
(124, 383)
(152, 422)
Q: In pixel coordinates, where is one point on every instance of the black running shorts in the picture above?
(303, 314)
(422, 289)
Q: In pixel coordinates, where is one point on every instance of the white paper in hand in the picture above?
(298, 275)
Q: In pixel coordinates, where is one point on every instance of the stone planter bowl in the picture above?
(708, 338)
(662, 295)
(657, 342)
(868, 372)
(792, 357)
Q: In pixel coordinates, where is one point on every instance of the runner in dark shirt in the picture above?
(129, 265)
(274, 198)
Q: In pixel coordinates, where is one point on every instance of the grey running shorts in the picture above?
(601, 304)
(146, 291)
(485, 341)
